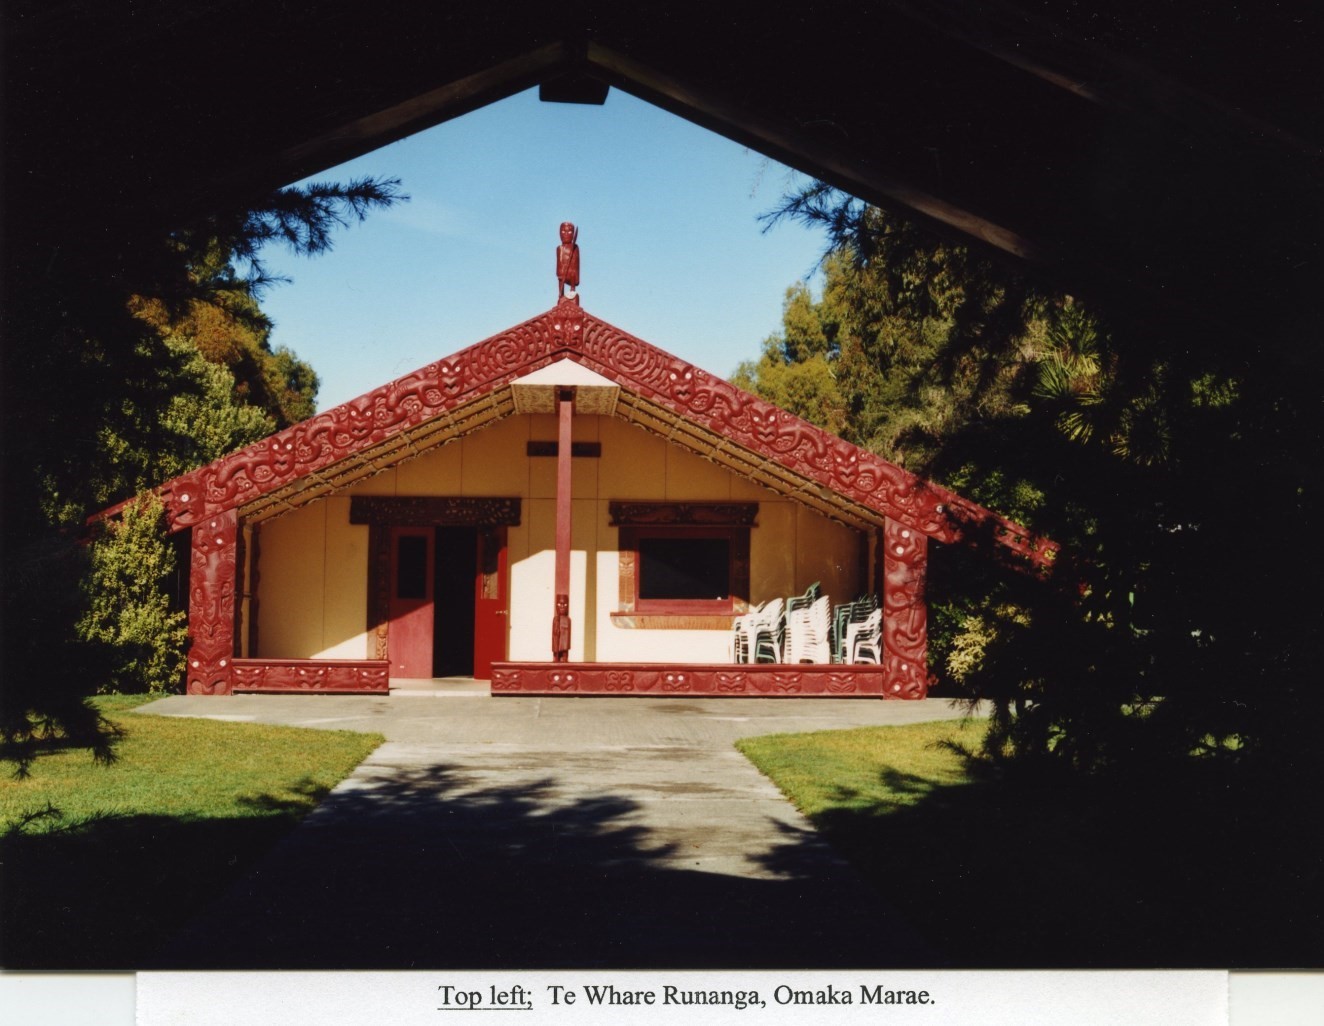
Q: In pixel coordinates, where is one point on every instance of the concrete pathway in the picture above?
(553, 833)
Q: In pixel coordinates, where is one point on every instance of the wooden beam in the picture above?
(812, 155)
(561, 626)
(373, 131)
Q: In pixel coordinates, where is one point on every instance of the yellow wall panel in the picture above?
(692, 477)
(495, 459)
(830, 553)
(772, 552)
(634, 463)
(291, 588)
(345, 633)
(436, 472)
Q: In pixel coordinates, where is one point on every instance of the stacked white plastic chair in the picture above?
(769, 632)
(809, 632)
(864, 640)
(742, 636)
(757, 636)
(842, 618)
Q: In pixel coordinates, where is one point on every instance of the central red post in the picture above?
(565, 400)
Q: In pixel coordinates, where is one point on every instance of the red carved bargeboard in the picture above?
(719, 680)
(330, 676)
(744, 420)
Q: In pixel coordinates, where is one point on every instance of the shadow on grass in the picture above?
(84, 728)
(1155, 873)
(105, 891)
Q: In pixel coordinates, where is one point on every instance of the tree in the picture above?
(226, 325)
(1169, 637)
(98, 402)
(797, 368)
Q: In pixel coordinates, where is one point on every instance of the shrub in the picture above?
(128, 609)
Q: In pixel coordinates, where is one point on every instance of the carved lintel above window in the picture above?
(733, 514)
(433, 511)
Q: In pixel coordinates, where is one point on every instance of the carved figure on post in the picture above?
(561, 630)
(567, 261)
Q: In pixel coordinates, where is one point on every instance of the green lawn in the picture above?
(1023, 872)
(101, 862)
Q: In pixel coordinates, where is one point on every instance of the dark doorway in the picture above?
(453, 631)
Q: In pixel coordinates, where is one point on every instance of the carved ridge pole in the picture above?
(213, 579)
(905, 611)
(565, 402)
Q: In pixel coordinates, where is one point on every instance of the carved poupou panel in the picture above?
(905, 610)
(211, 621)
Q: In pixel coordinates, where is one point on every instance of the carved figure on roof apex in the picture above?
(567, 262)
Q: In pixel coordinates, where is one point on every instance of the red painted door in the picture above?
(491, 601)
(409, 635)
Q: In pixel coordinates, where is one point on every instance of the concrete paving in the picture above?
(504, 832)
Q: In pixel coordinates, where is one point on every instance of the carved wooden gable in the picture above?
(470, 390)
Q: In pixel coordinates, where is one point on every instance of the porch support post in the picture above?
(905, 611)
(213, 579)
(565, 401)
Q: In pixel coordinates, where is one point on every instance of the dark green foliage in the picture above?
(49, 669)
(128, 608)
(99, 403)
(1177, 465)
(1008, 868)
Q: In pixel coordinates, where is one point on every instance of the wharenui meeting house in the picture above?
(565, 509)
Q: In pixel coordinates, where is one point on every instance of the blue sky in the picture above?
(671, 246)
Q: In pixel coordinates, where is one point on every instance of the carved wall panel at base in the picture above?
(211, 622)
(719, 680)
(346, 676)
(905, 609)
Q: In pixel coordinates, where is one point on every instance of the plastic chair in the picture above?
(864, 639)
(843, 616)
(808, 633)
(770, 632)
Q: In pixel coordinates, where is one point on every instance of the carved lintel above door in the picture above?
(433, 511)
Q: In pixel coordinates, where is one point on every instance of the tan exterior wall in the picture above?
(313, 584)
(312, 587)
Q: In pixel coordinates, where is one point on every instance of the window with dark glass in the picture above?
(686, 562)
(680, 568)
(411, 577)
